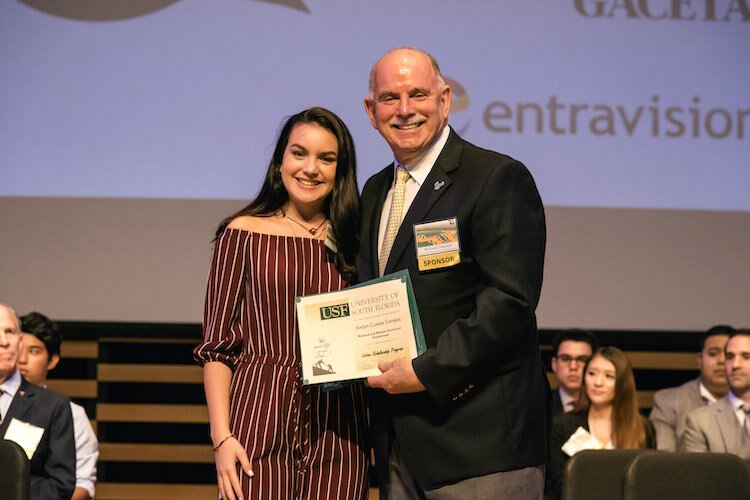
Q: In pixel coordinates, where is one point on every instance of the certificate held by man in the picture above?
(344, 334)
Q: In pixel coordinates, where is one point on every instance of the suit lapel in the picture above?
(22, 401)
(729, 427)
(438, 181)
(694, 396)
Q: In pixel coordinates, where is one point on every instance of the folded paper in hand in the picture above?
(581, 440)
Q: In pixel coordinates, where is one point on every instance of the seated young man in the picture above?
(39, 354)
(570, 351)
(672, 405)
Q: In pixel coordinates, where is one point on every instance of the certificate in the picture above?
(344, 334)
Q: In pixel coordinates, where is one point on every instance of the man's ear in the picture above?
(370, 110)
(53, 362)
(445, 96)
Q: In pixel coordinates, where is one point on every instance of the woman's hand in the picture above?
(226, 457)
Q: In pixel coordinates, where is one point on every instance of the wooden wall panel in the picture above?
(144, 396)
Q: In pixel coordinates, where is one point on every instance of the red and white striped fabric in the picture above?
(302, 442)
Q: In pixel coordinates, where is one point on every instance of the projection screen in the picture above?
(129, 129)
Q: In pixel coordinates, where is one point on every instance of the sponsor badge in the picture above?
(437, 244)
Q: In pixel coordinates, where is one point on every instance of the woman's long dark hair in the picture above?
(342, 205)
(628, 430)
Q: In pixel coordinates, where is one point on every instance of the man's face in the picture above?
(408, 106)
(738, 364)
(10, 339)
(33, 359)
(711, 362)
(568, 364)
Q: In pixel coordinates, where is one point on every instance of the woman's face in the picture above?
(600, 380)
(308, 169)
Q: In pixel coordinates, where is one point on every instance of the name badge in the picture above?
(438, 244)
(25, 434)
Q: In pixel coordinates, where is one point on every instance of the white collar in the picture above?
(736, 402)
(12, 383)
(565, 398)
(420, 168)
(706, 394)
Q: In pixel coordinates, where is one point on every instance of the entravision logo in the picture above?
(459, 106)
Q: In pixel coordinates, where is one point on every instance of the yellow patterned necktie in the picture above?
(394, 217)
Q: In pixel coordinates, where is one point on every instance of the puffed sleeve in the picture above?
(222, 339)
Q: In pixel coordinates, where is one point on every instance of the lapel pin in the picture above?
(22, 393)
(439, 184)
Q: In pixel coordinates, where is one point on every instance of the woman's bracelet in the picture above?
(222, 442)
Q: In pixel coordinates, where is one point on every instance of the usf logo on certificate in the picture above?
(344, 334)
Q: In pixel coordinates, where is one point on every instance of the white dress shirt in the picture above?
(737, 404)
(706, 394)
(418, 170)
(10, 388)
(87, 449)
(566, 400)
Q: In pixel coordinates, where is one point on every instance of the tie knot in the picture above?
(402, 175)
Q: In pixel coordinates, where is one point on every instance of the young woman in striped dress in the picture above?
(272, 437)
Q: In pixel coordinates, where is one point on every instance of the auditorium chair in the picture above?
(686, 476)
(597, 474)
(14, 471)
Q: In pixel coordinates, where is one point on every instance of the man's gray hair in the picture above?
(13, 313)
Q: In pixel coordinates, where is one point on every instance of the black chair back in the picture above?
(15, 478)
(597, 474)
(687, 476)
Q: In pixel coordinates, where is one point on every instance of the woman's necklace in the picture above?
(312, 230)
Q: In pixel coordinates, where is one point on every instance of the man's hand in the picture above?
(398, 377)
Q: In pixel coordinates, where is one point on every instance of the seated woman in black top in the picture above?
(604, 417)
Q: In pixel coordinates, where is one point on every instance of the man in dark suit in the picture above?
(38, 419)
(570, 351)
(671, 406)
(468, 417)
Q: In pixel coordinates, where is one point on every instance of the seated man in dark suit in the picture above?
(671, 406)
(724, 427)
(38, 419)
(570, 351)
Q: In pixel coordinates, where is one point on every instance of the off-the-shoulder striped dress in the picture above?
(302, 442)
